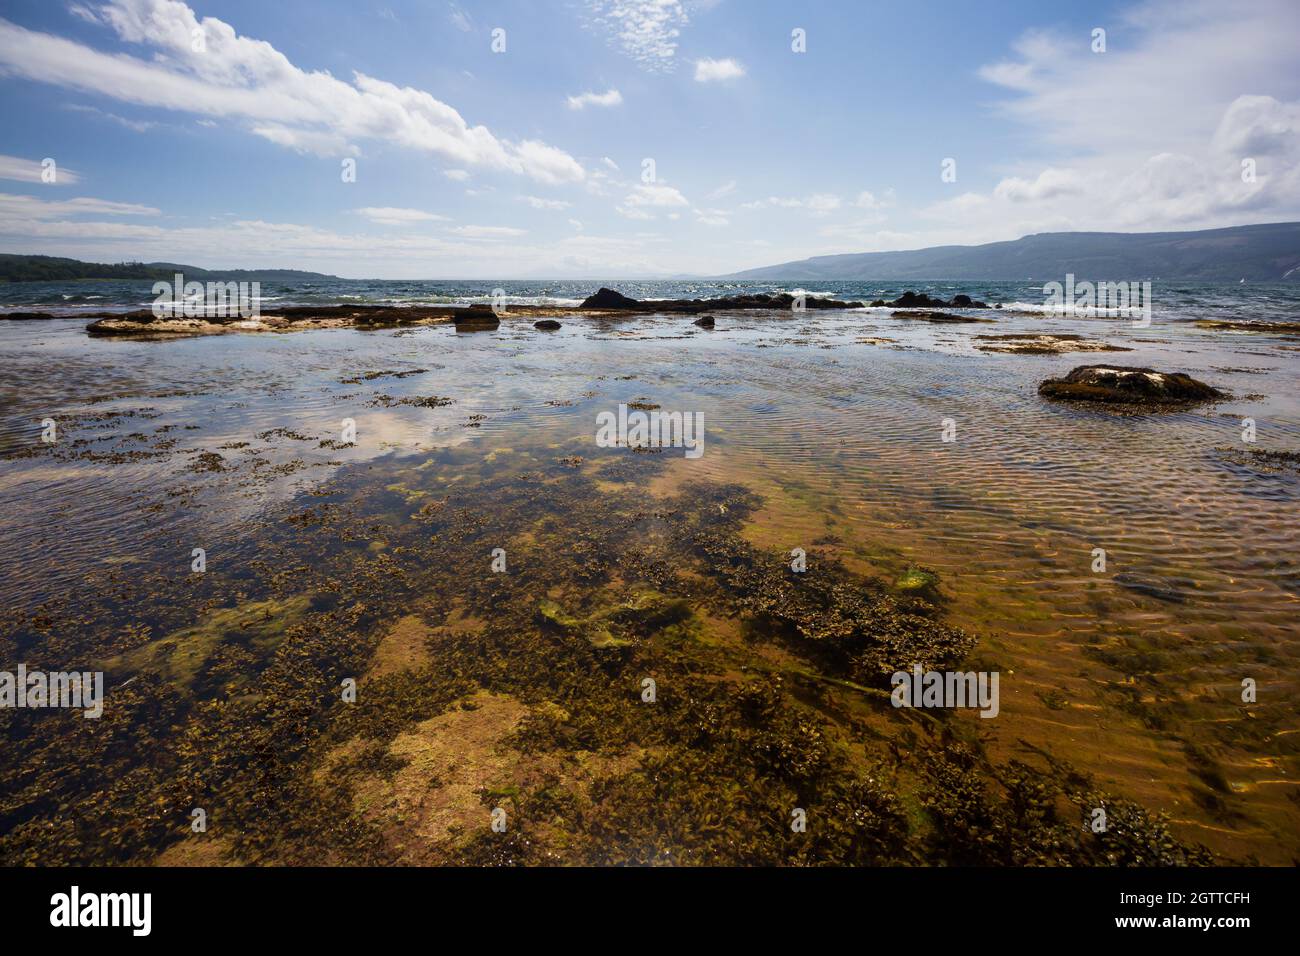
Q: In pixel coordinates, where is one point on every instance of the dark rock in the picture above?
(476, 318)
(1117, 385)
(547, 325)
(915, 300)
(608, 299)
(941, 317)
(705, 321)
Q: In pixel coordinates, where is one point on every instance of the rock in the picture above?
(919, 583)
(1137, 388)
(914, 300)
(705, 321)
(608, 299)
(476, 318)
(547, 325)
(1029, 343)
(940, 317)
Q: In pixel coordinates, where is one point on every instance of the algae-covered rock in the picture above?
(180, 655)
(917, 582)
(1129, 388)
(619, 624)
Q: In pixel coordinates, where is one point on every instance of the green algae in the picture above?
(181, 654)
(784, 706)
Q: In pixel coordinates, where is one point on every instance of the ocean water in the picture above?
(1173, 301)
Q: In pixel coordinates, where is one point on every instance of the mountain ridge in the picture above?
(1261, 252)
(20, 268)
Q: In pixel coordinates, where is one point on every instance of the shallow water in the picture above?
(834, 420)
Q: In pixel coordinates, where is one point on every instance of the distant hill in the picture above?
(52, 269)
(1262, 253)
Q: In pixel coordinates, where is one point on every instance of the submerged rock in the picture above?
(939, 317)
(1030, 343)
(1116, 385)
(476, 318)
(547, 325)
(918, 582)
(705, 322)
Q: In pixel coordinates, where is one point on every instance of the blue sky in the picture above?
(530, 162)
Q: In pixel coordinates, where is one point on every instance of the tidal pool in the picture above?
(499, 587)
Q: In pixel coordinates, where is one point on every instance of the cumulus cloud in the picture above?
(711, 71)
(1049, 184)
(655, 194)
(583, 100)
(250, 81)
(1192, 122)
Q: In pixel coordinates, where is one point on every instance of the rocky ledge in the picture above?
(142, 323)
(607, 300)
(919, 300)
(1129, 389)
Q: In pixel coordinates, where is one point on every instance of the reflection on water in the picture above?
(834, 421)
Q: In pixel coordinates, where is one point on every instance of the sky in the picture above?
(425, 139)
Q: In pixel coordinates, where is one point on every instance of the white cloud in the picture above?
(487, 232)
(1151, 134)
(633, 212)
(456, 175)
(819, 204)
(1049, 184)
(29, 207)
(248, 80)
(610, 163)
(654, 194)
(397, 216)
(539, 203)
(583, 100)
(869, 200)
(645, 30)
(459, 18)
(726, 189)
(822, 203)
(710, 71)
(29, 171)
(712, 217)
(136, 126)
